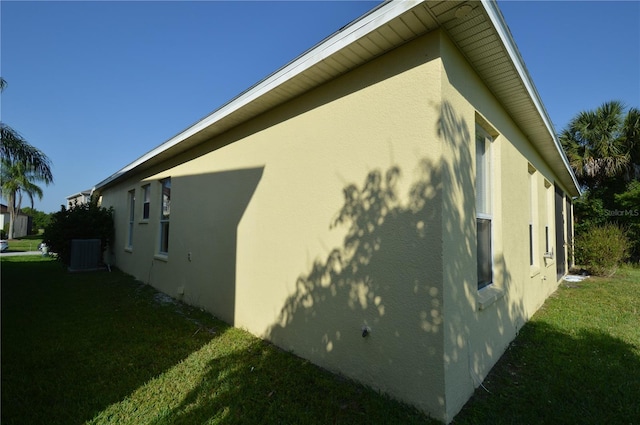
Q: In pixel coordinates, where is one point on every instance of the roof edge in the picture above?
(354, 30)
(358, 28)
(494, 13)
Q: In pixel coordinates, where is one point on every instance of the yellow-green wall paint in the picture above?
(256, 236)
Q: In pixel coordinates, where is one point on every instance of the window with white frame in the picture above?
(484, 208)
(146, 199)
(132, 209)
(533, 216)
(547, 228)
(164, 216)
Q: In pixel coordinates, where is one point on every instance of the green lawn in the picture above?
(576, 361)
(102, 348)
(27, 243)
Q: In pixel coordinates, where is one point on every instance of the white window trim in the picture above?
(146, 199)
(161, 253)
(549, 254)
(485, 289)
(534, 261)
(131, 204)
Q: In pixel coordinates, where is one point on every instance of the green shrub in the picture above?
(81, 221)
(601, 249)
(628, 203)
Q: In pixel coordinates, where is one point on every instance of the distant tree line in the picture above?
(603, 148)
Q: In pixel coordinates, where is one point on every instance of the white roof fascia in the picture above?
(505, 35)
(332, 44)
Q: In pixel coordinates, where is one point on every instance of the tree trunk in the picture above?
(11, 201)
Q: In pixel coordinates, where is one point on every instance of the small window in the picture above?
(484, 208)
(547, 228)
(547, 243)
(533, 215)
(146, 201)
(132, 209)
(164, 216)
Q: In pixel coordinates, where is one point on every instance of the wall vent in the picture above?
(85, 255)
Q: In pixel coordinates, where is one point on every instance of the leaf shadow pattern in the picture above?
(386, 279)
(386, 276)
(257, 383)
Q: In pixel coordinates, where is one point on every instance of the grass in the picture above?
(576, 361)
(27, 243)
(101, 348)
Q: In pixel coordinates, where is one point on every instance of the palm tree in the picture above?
(17, 180)
(22, 166)
(632, 135)
(15, 148)
(603, 143)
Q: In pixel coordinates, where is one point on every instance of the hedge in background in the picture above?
(602, 249)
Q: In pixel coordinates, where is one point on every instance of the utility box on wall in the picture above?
(85, 255)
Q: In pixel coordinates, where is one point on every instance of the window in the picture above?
(569, 220)
(132, 209)
(546, 239)
(533, 215)
(164, 216)
(483, 208)
(146, 201)
(547, 229)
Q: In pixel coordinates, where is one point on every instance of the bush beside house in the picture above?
(602, 249)
(81, 221)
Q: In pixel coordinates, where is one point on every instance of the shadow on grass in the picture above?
(102, 348)
(261, 384)
(74, 343)
(549, 376)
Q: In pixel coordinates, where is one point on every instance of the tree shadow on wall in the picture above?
(387, 275)
(386, 278)
(464, 321)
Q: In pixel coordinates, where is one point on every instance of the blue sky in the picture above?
(95, 85)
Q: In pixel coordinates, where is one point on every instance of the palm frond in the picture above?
(14, 148)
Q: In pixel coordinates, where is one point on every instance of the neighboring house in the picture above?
(21, 226)
(401, 180)
(79, 198)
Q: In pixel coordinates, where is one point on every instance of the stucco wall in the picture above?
(315, 219)
(354, 205)
(476, 332)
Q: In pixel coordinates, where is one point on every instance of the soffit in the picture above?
(481, 35)
(485, 40)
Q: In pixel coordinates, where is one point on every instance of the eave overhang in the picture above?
(481, 35)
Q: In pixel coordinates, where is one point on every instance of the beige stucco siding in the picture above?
(353, 206)
(476, 334)
(254, 237)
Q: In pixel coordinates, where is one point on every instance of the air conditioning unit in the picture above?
(86, 255)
